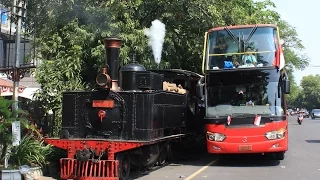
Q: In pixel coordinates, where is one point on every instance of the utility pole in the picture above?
(17, 10)
(19, 7)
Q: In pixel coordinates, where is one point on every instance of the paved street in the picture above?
(302, 161)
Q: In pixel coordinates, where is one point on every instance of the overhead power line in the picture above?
(313, 66)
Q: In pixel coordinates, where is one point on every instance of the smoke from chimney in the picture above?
(156, 34)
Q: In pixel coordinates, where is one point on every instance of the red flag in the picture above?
(257, 120)
(229, 120)
(279, 60)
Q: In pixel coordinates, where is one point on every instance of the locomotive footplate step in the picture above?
(63, 142)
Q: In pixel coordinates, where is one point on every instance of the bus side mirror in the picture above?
(200, 90)
(286, 86)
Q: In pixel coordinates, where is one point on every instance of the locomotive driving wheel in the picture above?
(169, 152)
(163, 155)
(124, 165)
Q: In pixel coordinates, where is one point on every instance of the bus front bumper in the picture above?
(278, 145)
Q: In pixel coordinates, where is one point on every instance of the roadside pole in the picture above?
(19, 7)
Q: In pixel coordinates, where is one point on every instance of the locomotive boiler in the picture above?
(128, 120)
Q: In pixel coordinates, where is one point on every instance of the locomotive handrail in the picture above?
(259, 52)
(189, 73)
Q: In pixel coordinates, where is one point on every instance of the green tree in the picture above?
(7, 117)
(292, 46)
(294, 99)
(295, 58)
(311, 91)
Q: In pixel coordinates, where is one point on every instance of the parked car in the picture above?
(315, 113)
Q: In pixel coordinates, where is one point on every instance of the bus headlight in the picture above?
(279, 134)
(215, 136)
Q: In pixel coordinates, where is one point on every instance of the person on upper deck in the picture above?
(249, 58)
(235, 61)
(231, 62)
(226, 45)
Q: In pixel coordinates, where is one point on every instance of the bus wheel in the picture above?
(279, 156)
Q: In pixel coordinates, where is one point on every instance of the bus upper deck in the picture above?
(241, 47)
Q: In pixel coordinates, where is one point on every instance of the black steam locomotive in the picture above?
(108, 129)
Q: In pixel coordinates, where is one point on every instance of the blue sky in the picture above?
(304, 16)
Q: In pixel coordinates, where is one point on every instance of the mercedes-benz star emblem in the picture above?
(244, 139)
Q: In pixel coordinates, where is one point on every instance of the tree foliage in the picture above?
(69, 35)
(310, 93)
(295, 57)
(7, 117)
(292, 47)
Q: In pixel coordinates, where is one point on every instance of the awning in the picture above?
(6, 89)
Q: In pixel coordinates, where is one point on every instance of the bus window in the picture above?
(246, 92)
(223, 44)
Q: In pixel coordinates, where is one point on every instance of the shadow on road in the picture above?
(313, 141)
(185, 159)
(182, 158)
(247, 160)
(203, 158)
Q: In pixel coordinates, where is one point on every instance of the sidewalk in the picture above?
(44, 178)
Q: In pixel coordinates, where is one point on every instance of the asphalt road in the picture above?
(302, 161)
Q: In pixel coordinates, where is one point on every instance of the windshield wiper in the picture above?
(230, 33)
(242, 114)
(251, 33)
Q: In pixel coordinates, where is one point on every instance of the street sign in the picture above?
(16, 133)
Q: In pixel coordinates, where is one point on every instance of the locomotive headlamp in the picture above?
(215, 136)
(279, 134)
(103, 79)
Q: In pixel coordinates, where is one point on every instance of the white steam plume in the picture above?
(156, 34)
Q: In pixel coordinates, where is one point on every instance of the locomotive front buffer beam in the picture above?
(98, 159)
(82, 163)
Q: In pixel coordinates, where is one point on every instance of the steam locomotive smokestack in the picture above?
(112, 47)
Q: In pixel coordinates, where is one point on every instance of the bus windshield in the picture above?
(244, 93)
(241, 48)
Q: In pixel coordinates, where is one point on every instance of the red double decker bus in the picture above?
(245, 87)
